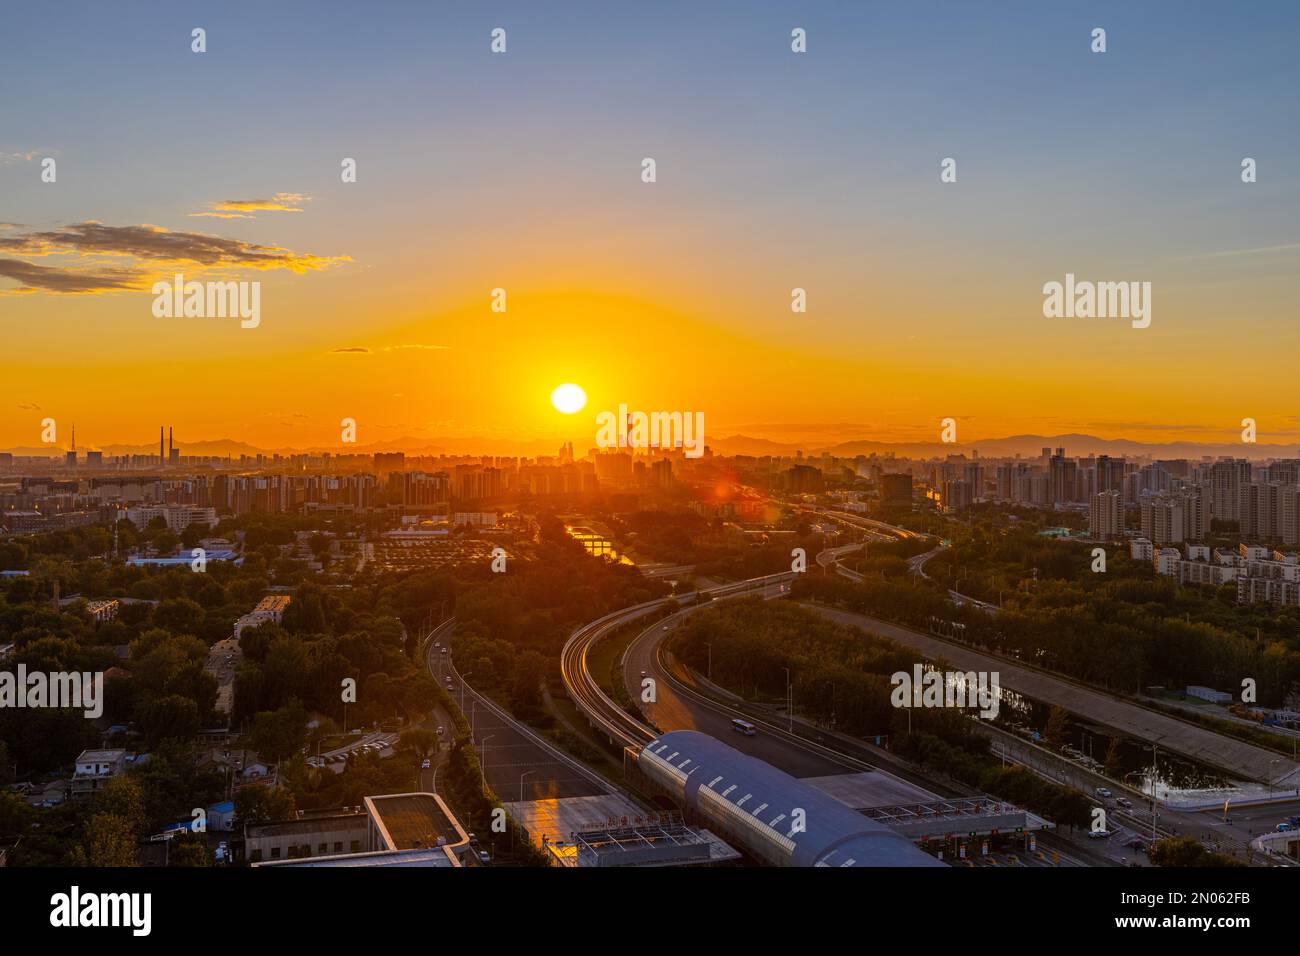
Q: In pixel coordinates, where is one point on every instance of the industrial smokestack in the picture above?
(169, 443)
(161, 459)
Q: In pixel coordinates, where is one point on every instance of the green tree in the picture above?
(189, 849)
(1186, 851)
(278, 734)
(263, 804)
(1058, 726)
(171, 716)
(419, 740)
(110, 841)
(1112, 765)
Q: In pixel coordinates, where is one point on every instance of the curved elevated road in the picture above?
(603, 712)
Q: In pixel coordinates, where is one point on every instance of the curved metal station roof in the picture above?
(765, 802)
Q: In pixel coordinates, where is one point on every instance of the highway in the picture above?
(1244, 760)
(515, 759)
(678, 707)
(604, 713)
(809, 751)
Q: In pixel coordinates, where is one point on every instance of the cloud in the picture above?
(33, 278)
(157, 252)
(394, 348)
(1259, 250)
(92, 238)
(13, 159)
(1138, 426)
(29, 406)
(220, 215)
(239, 208)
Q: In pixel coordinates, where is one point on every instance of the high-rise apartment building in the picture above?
(1106, 516)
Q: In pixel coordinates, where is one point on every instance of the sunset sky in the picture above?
(522, 171)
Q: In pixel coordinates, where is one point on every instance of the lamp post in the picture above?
(521, 783)
(1153, 793)
(789, 698)
(482, 764)
(710, 647)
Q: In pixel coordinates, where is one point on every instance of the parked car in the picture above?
(440, 730)
(483, 857)
(1098, 834)
(424, 765)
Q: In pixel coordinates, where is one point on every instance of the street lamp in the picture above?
(521, 783)
(710, 647)
(1153, 792)
(789, 698)
(482, 764)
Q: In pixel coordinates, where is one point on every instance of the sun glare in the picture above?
(568, 398)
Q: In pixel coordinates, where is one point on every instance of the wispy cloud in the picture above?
(393, 348)
(1257, 251)
(154, 250)
(240, 208)
(33, 278)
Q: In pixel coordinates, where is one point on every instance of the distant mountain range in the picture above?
(1027, 446)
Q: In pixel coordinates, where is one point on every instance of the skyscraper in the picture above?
(1106, 516)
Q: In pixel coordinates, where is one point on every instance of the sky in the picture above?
(522, 171)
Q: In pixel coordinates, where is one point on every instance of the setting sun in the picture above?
(568, 398)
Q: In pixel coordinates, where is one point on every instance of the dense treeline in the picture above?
(835, 670)
(1122, 633)
(511, 627)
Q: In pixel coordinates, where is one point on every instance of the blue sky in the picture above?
(775, 170)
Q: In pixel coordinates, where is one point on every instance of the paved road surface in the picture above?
(507, 750)
(672, 711)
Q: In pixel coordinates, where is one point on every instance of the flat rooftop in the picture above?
(415, 821)
(863, 790)
(558, 818)
(436, 857)
(647, 845)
